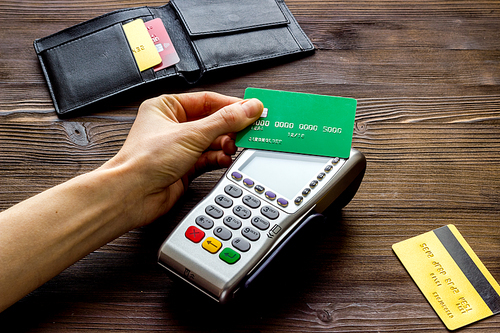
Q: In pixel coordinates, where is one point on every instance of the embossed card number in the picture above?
(301, 123)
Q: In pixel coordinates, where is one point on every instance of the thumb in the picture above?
(231, 118)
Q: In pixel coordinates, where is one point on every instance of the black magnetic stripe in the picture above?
(469, 268)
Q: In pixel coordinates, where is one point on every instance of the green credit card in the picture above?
(301, 123)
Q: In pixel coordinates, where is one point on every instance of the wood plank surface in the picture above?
(426, 75)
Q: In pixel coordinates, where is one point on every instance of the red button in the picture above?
(194, 234)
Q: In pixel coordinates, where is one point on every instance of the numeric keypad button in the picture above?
(251, 201)
(204, 221)
(214, 211)
(232, 222)
(223, 233)
(250, 233)
(223, 201)
(270, 212)
(260, 223)
(242, 212)
(233, 191)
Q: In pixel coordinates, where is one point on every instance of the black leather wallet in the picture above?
(92, 61)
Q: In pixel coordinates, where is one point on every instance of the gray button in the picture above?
(250, 233)
(260, 223)
(233, 191)
(223, 201)
(242, 212)
(204, 221)
(214, 211)
(251, 201)
(241, 244)
(232, 222)
(270, 212)
(223, 233)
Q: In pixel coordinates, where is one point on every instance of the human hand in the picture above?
(173, 138)
(177, 137)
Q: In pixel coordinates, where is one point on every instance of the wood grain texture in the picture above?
(426, 75)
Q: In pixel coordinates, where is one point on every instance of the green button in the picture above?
(229, 255)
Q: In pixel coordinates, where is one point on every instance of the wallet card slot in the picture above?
(188, 62)
(90, 68)
(204, 18)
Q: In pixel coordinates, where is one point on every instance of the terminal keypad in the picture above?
(235, 218)
(240, 219)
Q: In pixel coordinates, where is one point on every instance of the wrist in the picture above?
(122, 191)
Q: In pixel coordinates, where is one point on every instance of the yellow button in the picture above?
(212, 245)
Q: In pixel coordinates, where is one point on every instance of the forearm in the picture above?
(45, 234)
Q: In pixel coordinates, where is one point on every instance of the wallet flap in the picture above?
(215, 17)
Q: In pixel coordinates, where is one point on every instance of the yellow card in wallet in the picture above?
(145, 52)
(450, 275)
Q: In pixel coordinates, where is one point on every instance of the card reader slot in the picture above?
(254, 275)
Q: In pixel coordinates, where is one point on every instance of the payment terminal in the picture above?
(258, 204)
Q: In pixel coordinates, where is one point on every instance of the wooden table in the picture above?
(426, 75)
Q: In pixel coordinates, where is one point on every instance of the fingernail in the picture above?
(252, 107)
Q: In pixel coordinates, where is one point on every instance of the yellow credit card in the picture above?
(145, 52)
(450, 275)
